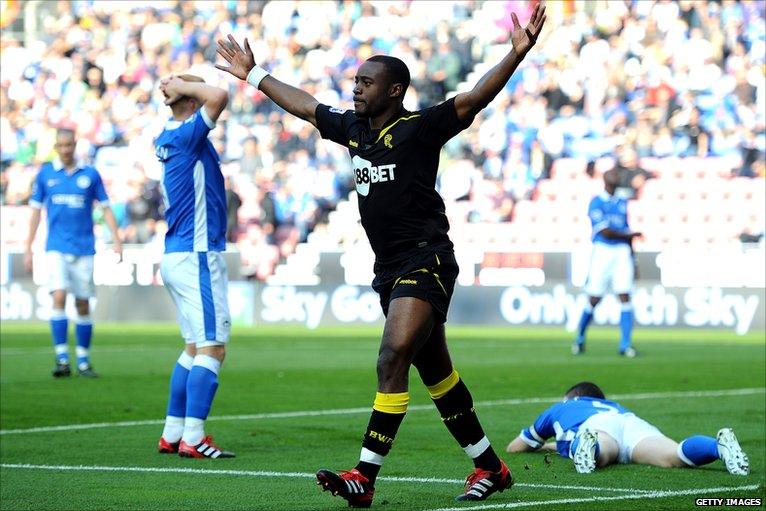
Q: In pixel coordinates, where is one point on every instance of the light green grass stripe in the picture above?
(301, 475)
(366, 409)
(633, 496)
(682, 335)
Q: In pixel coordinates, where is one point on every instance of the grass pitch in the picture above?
(292, 401)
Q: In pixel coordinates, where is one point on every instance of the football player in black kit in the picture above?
(395, 155)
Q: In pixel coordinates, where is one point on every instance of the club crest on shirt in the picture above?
(387, 141)
(83, 182)
(52, 182)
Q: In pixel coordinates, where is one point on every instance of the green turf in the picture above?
(287, 369)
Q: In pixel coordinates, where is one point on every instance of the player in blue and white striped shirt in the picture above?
(67, 190)
(611, 262)
(593, 431)
(193, 270)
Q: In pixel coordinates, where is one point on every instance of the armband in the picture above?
(255, 76)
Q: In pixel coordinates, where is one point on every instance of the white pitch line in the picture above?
(302, 475)
(351, 411)
(634, 496)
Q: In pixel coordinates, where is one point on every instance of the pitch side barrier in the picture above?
(737, 309)
(722, 289)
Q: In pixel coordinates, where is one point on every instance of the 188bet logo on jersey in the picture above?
(365, 174)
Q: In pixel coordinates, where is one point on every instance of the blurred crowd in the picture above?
(639, 79)
(623, 81)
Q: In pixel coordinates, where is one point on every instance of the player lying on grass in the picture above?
(594, 432)
(395, 154)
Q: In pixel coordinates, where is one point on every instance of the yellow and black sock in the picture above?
(455, 404)
(387, 415)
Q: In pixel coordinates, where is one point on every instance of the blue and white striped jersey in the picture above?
(608, 211)
(564, 419)
(68, 200)
(192, 185)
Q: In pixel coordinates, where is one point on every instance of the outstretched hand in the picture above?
(523, 38)
(240, 61)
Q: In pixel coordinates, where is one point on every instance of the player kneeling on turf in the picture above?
(594, 432)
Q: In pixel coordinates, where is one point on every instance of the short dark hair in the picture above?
(584, 389)
(67, 132)
(395, 68)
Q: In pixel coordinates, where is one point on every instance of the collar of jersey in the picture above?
(605, 196)
(172, 124)
(58, 166)
(404, 117)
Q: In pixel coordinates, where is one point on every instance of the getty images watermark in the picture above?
(729, 501)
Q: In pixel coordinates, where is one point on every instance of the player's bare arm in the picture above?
(241, 61)
(212, 99)
(519, 445)
(34, 222)
(468, 104)
(548, 447)
(111, 223)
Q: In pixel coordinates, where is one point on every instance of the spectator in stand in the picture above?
(233, 203)
(631, 177)
(251, 161)
(647, 63)
(144, 212)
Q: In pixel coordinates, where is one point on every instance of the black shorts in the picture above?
(429, 275)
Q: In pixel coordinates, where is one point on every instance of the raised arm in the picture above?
(212, 99)
(468, 104)
(241, 62)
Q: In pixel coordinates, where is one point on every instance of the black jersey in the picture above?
(395, 170)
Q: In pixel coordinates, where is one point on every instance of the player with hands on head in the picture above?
(67, 189)
(395, 155)
(193, 269)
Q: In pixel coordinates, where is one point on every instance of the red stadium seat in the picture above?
(569, 168)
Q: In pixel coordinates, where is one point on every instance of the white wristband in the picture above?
(255, 76)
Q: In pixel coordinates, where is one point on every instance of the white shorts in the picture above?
(610, 264)
(72, 273)
(198, 283)
(626, 428)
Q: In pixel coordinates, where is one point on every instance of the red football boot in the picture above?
(481, 483)
(166, 447)
(349, 484)
(205, 449)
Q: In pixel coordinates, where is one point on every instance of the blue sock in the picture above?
(178, 383)
(201, 386)
(698, 450)
(585, 319)
(83, 333)
(626, 326)
(59, 328)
